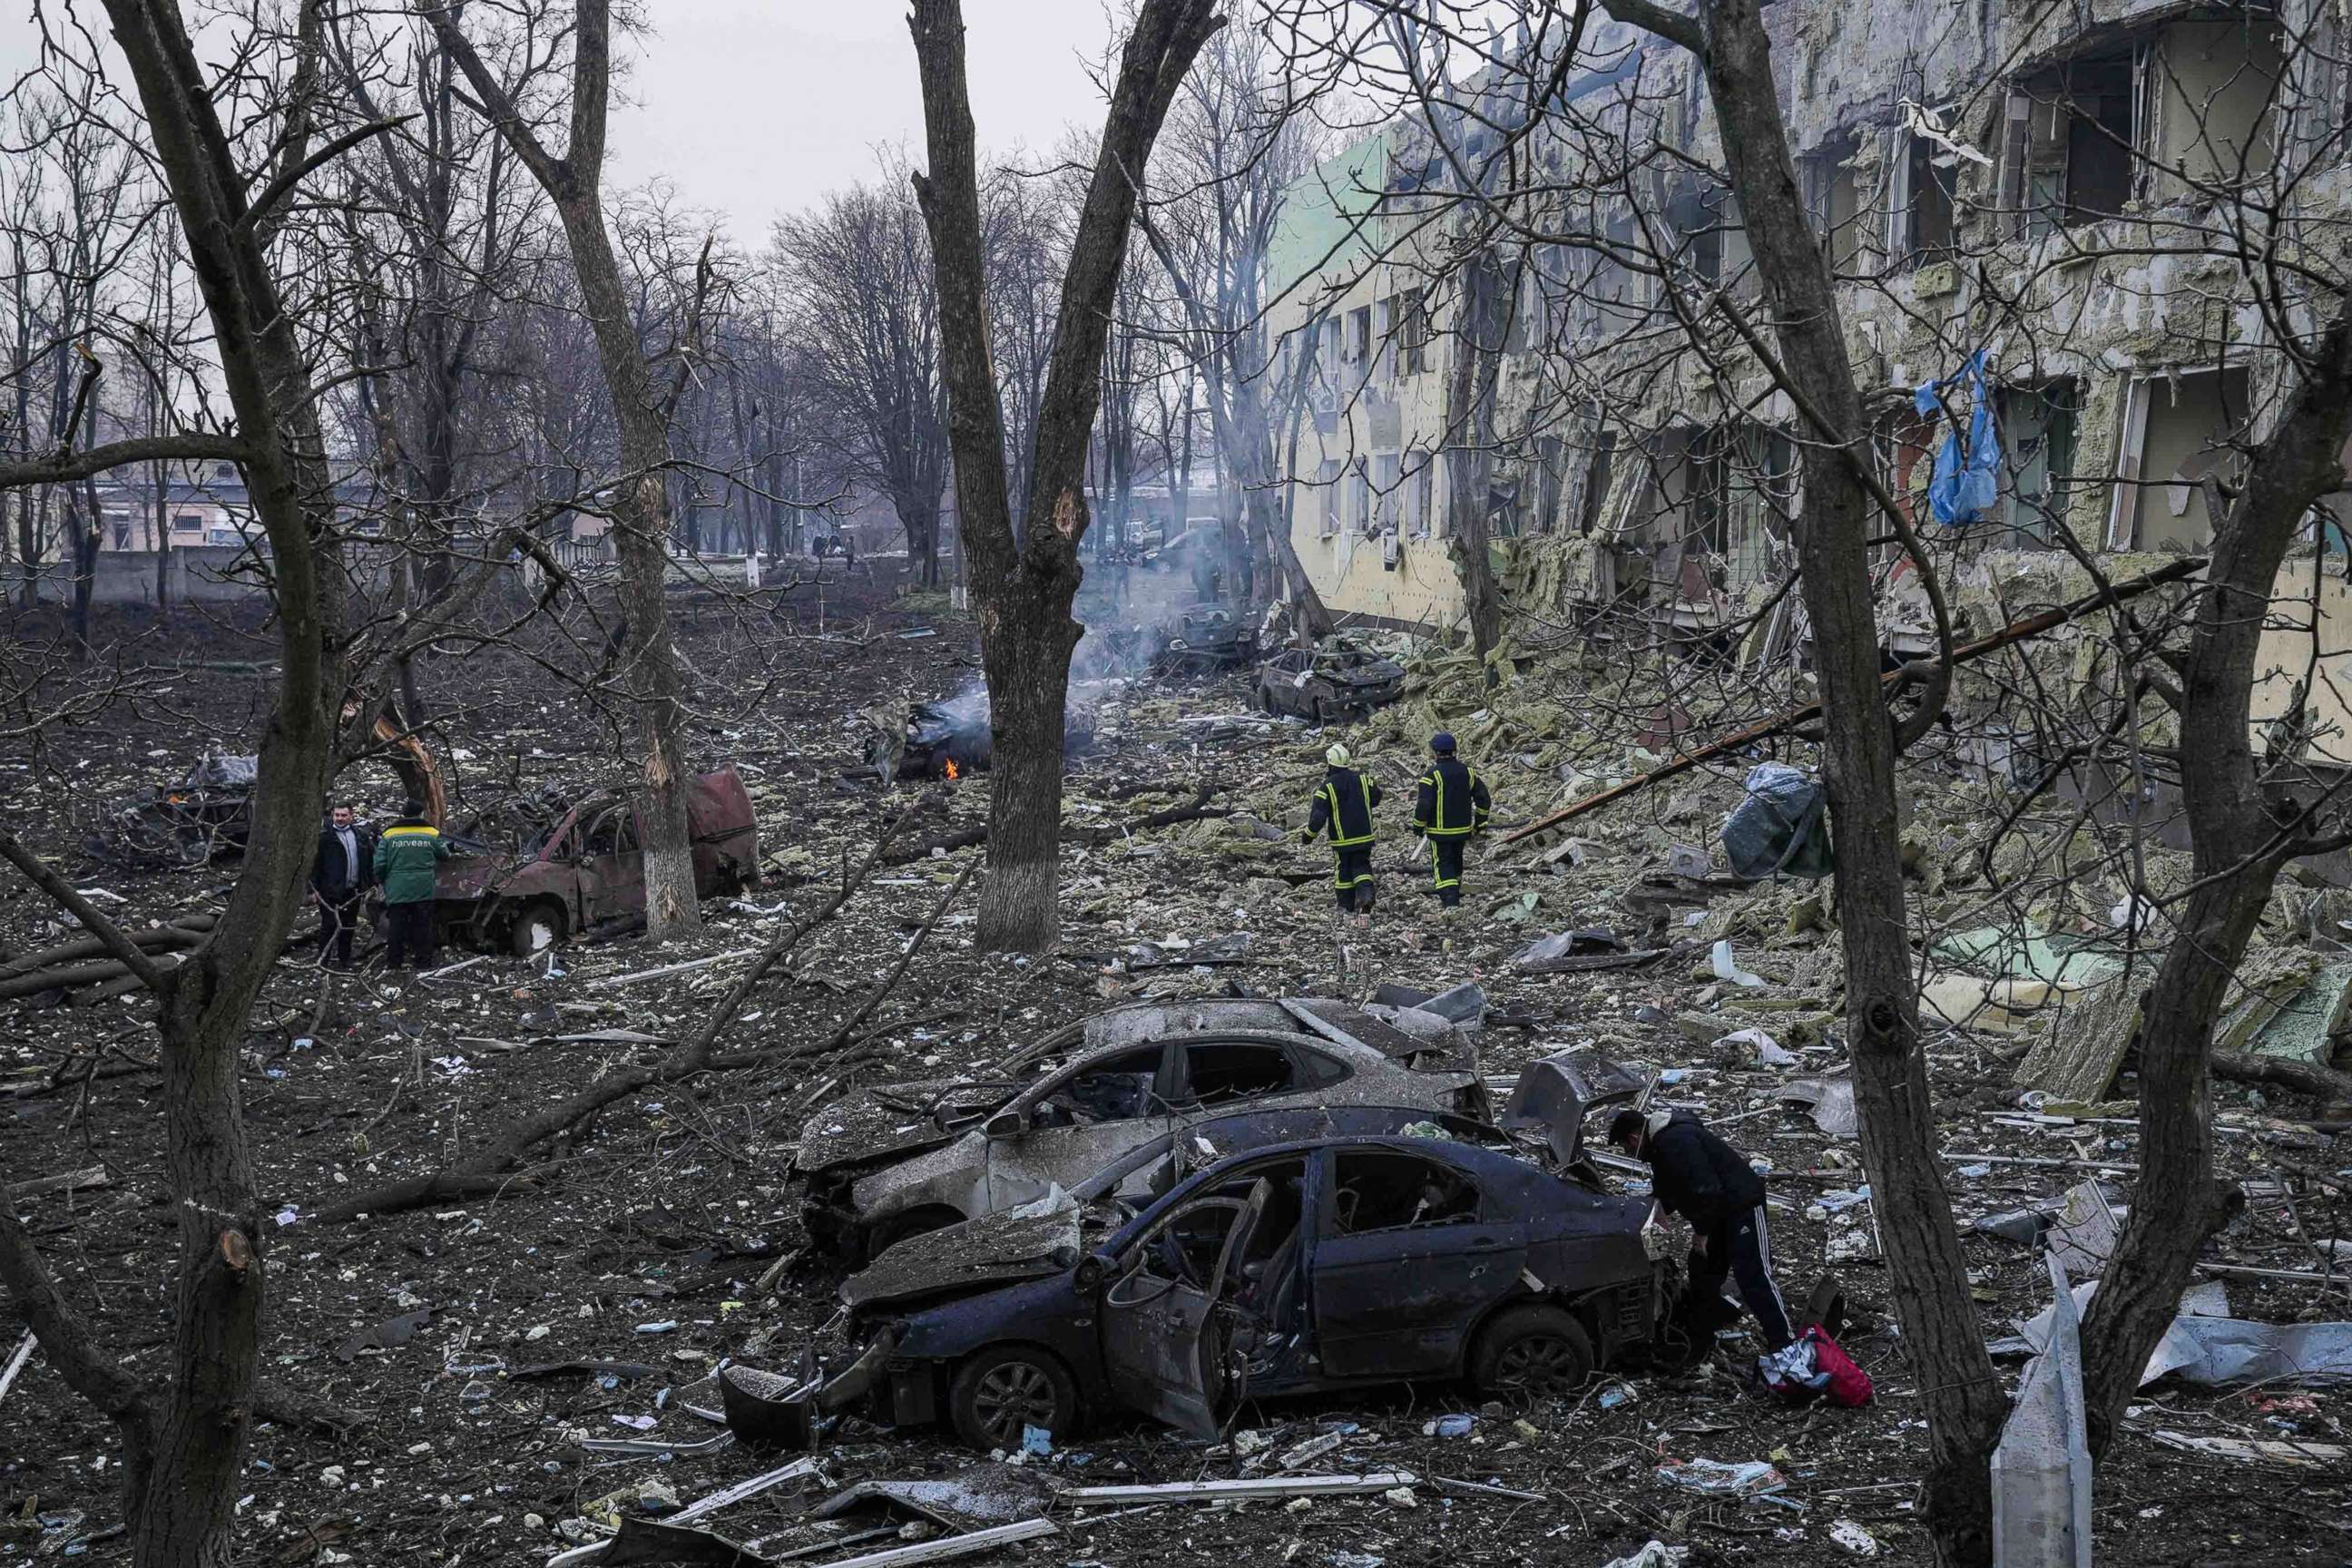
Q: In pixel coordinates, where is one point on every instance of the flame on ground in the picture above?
(954, 772)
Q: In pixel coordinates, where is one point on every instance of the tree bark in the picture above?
(640, 500)
(1962, 1396)
(1025, 584)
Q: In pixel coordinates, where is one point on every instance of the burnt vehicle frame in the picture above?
(895, 1160)
(950, 737)
(583, 865)
(1320, 684)
(1201, 639)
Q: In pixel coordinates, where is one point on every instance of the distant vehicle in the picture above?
(1334, 681)
(585, 866)
(897, 1160)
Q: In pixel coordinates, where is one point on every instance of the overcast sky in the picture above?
(756, 107)
(752, 108)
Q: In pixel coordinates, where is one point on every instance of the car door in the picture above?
(611, 867)
(1409, 1251)
(1163, 1344)
(1075, 1122)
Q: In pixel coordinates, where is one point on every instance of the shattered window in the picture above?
(1220, 1072)
(1383, 1189)
(1115, 1089)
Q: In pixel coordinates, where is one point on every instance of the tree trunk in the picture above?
(1470, 451)
(640, 502)
(1959, 1392)
(2237, 848)
(1024, 583)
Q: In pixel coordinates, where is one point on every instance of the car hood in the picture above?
(1379, 674)
(887, 1118)
(1024, 1243)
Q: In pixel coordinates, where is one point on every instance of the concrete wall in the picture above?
(197, 574)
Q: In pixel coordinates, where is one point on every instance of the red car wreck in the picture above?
(584, 866)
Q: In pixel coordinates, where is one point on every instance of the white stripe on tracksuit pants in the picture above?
(1740, 1245)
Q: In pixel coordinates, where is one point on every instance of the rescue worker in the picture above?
(1705, 1180)
(1344, 804)
(407, 856)
(341, 875)
(1450, 803)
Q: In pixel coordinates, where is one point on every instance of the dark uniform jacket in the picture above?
(1697, 1175)
(1344, 804)
(1451, 800)
(405, 861)
(334, 879)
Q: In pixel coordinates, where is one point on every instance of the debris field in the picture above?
(532, 1366)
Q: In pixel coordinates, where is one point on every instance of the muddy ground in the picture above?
(648, 1242)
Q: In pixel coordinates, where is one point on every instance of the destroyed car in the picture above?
(895, 1160)
(1309, 1267)
(1333, 682)
(585, 867)
(950, 739)
(1205, 638)
(208, 812)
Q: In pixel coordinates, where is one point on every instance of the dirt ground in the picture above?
(649, 1244)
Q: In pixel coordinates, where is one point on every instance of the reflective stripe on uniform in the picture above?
(1331, 791)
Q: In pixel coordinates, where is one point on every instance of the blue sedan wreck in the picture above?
(1330, 1263)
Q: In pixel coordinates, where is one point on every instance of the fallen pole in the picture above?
(1252, 1487)
(2015, 632)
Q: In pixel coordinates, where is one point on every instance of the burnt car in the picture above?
(1309, 1267)
(950, 739)
(1340, 681)
(208, 812)
(897, 1160)
(1201, 638)
(585, 866)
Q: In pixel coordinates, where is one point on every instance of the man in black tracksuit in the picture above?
(1344, 806)
(1705, 1180)
(1450, 803)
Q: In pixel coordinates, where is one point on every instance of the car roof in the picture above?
(1459, 1129)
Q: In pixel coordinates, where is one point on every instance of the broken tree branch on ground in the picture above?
(487, 1171)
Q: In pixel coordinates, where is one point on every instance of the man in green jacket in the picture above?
(405, 858)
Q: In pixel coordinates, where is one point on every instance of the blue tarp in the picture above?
(1967, 473)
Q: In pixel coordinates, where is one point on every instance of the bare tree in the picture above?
(1024, 581)
(854, 278)
(1232, 154)
(185, 1448)
(640, 496)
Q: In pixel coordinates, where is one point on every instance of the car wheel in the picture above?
(1532, 1353)
(890, 1232)
(537, 928)
(999, 1393)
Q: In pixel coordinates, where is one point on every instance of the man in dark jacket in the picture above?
(406, 857)
(1344, 806)
(340, 875)
(1450, 803)
(1705, 1180)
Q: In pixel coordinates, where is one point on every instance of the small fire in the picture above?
(954, 772)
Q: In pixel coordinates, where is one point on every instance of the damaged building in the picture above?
(2058, 189)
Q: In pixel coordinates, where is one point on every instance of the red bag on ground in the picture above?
(1847, 1383)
